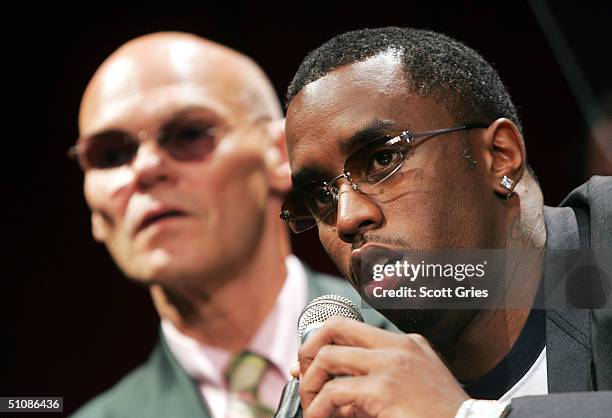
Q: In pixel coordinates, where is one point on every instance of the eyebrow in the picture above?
(186, 112)
(308, 175)
(375, 129)
(168, 121)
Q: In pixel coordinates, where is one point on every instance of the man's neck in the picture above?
(229, 315)
(489, 335)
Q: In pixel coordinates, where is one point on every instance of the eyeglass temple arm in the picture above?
(447, 130)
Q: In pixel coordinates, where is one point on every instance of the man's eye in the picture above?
(192, 133)
(114, 157)
(320, 199)
(323, 196)
(110, 150)
(383, 160)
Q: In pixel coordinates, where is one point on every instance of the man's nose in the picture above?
(356, 214)
(150, 165)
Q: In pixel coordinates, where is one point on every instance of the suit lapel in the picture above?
(177, 394)
(568, 330)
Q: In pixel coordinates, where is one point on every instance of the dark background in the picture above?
(75, 325)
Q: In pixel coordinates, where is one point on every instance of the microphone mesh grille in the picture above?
(323, 308)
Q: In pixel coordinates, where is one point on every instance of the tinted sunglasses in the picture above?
(187, 139)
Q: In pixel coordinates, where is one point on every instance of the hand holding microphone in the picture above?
(311, 319)
(384, 374)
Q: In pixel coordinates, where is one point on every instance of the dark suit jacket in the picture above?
(579, 331)
(160, 388)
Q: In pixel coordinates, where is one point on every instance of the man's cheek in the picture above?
(339, 252)
(328, 241)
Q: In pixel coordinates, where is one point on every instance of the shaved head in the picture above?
(155, 61)
(207, 127)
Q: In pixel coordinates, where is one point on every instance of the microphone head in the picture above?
(322, 308)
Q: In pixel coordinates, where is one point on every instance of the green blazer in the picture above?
(160, 388)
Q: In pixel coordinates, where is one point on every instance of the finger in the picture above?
(295, 370)
(336, 360)
(339, 395)
(347, 411)
(419, 340)
(343, 331)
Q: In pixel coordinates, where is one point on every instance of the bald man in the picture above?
(182, 148)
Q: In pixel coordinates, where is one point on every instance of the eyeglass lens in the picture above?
(183, 140)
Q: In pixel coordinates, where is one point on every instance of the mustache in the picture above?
(377, 239)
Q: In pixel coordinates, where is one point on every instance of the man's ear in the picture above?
(277, 159)
(505, 156)
(99, 226)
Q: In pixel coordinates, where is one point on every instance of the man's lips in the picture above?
(365, 258)
(154, 216)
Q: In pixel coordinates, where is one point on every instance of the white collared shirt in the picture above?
(534, 382)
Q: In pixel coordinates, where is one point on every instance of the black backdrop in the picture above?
(75, 325)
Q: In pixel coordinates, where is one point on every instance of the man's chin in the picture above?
(152, 267)
(394, 309)
(408, 320)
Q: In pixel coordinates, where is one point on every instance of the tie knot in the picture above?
(243, 375)
(245, 372)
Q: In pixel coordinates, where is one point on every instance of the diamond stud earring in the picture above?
(507, 182)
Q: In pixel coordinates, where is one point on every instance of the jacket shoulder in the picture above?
(325, 283)
(597, 193)
(124, 398)
(157, 388)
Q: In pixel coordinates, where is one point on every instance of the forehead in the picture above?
(329, 111)
(142, 87)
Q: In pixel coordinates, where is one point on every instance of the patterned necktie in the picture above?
(243, 375)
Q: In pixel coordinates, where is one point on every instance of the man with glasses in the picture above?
(404, 145)
(182, 146)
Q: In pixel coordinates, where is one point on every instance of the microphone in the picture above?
(312, 318)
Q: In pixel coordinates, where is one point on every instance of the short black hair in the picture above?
(436, 66)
